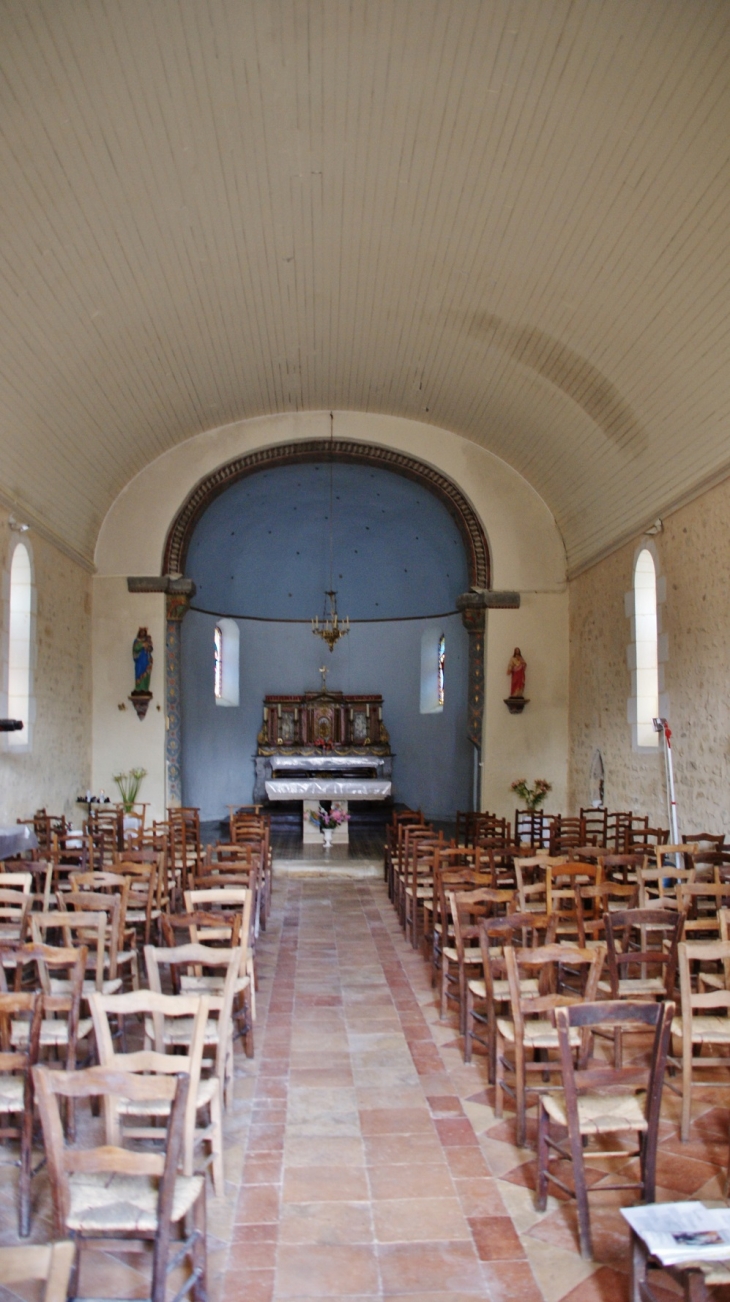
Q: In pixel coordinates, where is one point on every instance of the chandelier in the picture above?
(331, 629)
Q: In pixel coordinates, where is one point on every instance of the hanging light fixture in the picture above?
(331, 629)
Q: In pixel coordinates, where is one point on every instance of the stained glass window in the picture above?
(218, 662)
(440, 667)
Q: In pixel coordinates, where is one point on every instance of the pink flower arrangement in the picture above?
(532, 796)
(329, 817)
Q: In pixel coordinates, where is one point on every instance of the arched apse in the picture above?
(261, 548)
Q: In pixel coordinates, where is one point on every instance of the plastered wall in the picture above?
(121, 741)
(693, 555)
(56, 769)
(527, 555)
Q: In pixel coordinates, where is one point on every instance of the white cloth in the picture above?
(328, 789)
(280, 762)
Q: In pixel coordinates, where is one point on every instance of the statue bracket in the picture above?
(516, 704)
(140, 701)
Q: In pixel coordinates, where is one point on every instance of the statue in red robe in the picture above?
(517, 669)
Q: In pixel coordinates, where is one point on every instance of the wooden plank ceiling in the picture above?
(508, 219)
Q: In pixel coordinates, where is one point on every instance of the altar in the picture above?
(323, 746)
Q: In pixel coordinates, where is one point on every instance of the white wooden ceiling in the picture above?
(505, 217)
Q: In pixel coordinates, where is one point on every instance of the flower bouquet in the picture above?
(129, 785)
(533, 796)
(327, 820)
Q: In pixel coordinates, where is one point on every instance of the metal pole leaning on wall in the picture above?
(662, 726)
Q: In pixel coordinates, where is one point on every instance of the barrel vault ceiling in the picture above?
(508, 219)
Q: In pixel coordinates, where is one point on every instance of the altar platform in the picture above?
(361, 857)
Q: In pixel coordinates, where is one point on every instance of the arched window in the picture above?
(440, 670)
(218, 662)
(226, 641)
(433, 660)
(646, 649)
(20, 617)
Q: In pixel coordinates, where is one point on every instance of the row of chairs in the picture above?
(203, 981)
(543, 957)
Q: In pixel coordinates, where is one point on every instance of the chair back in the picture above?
(629, 933)
(618, 1015)
(192, 959)
(64, 1160)
(47, 1263)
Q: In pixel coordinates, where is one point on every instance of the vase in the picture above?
(327, 833)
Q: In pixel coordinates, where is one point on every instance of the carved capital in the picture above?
(177, 605)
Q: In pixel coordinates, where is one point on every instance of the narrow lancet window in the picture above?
(440, 670)
(218, 662)
(646, 649)
(19, 645)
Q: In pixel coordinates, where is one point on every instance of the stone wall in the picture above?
(693, 552)
(57, 766)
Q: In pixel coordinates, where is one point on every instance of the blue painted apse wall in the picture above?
(262, 548)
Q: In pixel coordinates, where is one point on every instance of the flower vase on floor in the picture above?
(327, 834)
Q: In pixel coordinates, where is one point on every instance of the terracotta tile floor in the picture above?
(363, 1158)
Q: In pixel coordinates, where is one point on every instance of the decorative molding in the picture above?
(371, 454)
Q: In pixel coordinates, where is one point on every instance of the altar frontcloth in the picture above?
(328, 789)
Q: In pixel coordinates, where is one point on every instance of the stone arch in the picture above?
(474, 538)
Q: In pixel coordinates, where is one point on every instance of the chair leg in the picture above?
(581, 1195)
(219, 1183)
(199, 1253)
(444, 985)
(686, 1087)
(498, 1077)
(469, 1024)
(520, 1096)
(543, 1156)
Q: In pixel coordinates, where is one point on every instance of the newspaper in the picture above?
(680, 1232)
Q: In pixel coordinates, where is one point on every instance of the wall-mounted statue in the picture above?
(142, 655)
(142, 652)
(517, 670)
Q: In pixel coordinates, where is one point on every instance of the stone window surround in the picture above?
(26, 746)
(647, 544)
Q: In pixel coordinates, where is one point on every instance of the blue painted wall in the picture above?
(262, 548)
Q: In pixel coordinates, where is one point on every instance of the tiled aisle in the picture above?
(375, 1166)
(363, 1159)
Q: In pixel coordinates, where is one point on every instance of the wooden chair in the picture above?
(16, 1087)
(643, 939)
(116, 1193)
(47, 1263)
(702, 903)
(531, 1030)
(623, 868)
(195, 965)
(88, 929)
(485, 994)
(561, 883)
(593, 902)
(443, 945)
(63, 1030)
(121, 948)
(530, 875)
(704, 1021)
(144, 901)
(594, 1102)
(204, 1094)
(595, 825)
(225, 904)
(467, 909)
